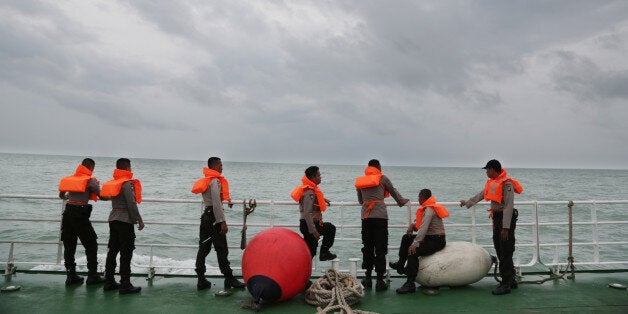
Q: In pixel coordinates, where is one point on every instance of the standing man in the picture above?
(78, 189)
(312, 204)
(500, 190)
(429, 239)
(215, 189)
(372, 188)
(125, 193)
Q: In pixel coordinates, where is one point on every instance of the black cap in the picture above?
(493, 164)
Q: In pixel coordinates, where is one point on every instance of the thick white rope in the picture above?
(335, 291)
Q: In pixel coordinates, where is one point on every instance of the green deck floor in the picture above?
(46, 293)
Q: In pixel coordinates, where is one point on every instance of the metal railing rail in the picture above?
(341, 226)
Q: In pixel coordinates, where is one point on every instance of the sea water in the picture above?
(172, 179)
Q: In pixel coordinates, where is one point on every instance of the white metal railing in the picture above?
(535, 244)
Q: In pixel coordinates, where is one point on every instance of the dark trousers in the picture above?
(75, 224)
(327, 231)
(374, 245)
(210, 234)
(121, 240)
(430, 245)
(505, 249)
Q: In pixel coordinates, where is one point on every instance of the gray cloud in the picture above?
(419, 83)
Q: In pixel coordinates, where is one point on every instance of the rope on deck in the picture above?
(335, 291)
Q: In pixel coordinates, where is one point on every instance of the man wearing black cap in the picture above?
(500, 189)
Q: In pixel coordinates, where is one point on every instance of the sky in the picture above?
(535, 84)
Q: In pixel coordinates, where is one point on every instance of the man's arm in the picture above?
(128, 191)
(307, 201)
(473, 200)
(388, 186)
(508, 200)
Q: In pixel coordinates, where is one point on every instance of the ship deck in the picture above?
(46, 293)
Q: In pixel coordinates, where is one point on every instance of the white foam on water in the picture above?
(139, 264)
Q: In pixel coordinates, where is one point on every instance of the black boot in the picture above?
(398, 266)
(326, 256)
(380, 285)
(514, 284)
(126, 287)
(512, 278)
(232, 282)
(367, 282)
(110, 283)
(504, 288)
(408, 287)
(202, 283)
(93, 278)
(73, 279)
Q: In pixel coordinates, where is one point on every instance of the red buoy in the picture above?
(276, 265)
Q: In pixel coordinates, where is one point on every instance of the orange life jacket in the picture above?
(112, 187)
(297, 193)
(372, 177)
(201, 185)
(440, 210)
(78, 182)
(493, 190)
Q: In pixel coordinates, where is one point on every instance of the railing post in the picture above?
(60, 246)
(342, 222)
(272, 213)
(535, 230)
(409, 213)
(570, 257)
(473, 226)
(10, 266)
(151, 267)
(353, 266)
(596, 239)
(335, 264)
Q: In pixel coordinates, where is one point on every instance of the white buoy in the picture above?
(458, 264)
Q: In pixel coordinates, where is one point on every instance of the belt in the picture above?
(435, 235)
(209, 209)
(79, 203)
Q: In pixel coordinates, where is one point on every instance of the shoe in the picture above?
(381, 285)
(110, 285)
(502, 289)
(129, 289)
(203, 284)
(398, 266)
(73, 279)
(233, 283)
(514, 284)
(326, 256)
(94, 280)
(408, 287)
(367, 282)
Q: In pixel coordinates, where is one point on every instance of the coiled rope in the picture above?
(335, 291)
